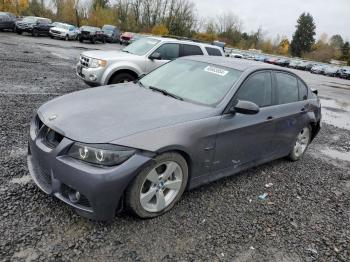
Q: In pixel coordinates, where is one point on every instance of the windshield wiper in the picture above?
(166, 93)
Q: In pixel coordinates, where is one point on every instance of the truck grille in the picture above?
(84, 61)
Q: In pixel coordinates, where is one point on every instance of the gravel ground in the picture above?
(305, 218)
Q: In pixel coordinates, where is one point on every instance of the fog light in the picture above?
(74, 197)
(92, 77)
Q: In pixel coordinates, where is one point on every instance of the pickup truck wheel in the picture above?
(80, 39)
(122, 78)
(93, 41)
(19, 32)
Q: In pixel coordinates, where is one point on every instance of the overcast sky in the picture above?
(280, 16)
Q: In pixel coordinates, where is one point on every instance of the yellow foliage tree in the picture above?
(160, 30)
(17, 7)
(102, 16)
(206, 37)
(283, 47)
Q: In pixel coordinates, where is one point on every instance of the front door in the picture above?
(243, 139)
(168, 52)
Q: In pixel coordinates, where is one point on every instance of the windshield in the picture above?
(193, 81)
(29, 19)
(141, 46)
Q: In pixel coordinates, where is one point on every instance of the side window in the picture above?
(191, 50)
(257, 89)
(213, 51)
(169, 51)
(287, 88)
(302, 91)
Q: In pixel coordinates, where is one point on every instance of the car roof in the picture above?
(241, 65)
(184, 41)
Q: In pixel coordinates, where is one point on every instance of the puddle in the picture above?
(335, 154)
(336, 113)
(21, 180)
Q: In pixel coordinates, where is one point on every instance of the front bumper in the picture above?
(92, 76)
(100, 188)
(24, 28)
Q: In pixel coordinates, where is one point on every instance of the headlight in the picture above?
(101, 154)
(94, 63)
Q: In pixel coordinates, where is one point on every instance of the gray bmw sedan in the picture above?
(141, 144)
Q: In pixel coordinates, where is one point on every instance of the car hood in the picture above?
(109, 55)
(59, 29)
(107, 113)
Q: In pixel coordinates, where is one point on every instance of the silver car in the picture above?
(139, 58)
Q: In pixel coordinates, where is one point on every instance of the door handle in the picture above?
(269, 118)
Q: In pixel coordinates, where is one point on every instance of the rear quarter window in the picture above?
(213, 51)
(302, 91)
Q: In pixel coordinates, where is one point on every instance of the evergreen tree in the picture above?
(303, 38)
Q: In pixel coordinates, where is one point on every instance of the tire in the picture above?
(93, 41)
(157, 197)
(19, 32)
(121, 78)
(302, 141)
(80, 40)
(35, 33)
(66, 38)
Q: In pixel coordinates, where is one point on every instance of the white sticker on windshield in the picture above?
(216, 70)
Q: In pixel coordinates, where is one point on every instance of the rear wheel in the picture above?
(301, 143)
(19, 32)
(122, 78)
(158, 186)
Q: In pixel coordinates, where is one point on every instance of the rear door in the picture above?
(243, 139)
(290, 118)
(168, 52)
(188, 50)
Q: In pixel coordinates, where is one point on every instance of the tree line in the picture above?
(179, 17)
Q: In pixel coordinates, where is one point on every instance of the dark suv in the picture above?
(7, 21)
(93, 34)
(34, 25)
(112, 33)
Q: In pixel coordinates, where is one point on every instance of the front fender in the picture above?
(117, 66)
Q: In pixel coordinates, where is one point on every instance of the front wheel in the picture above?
(121, 78)
(158, 186)
(301, 143)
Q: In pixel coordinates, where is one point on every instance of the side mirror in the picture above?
(245, 107)
(155, 56)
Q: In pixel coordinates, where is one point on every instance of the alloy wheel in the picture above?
(161, 186)
(302, 142)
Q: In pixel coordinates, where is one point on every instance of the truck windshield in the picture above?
(141, 46)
